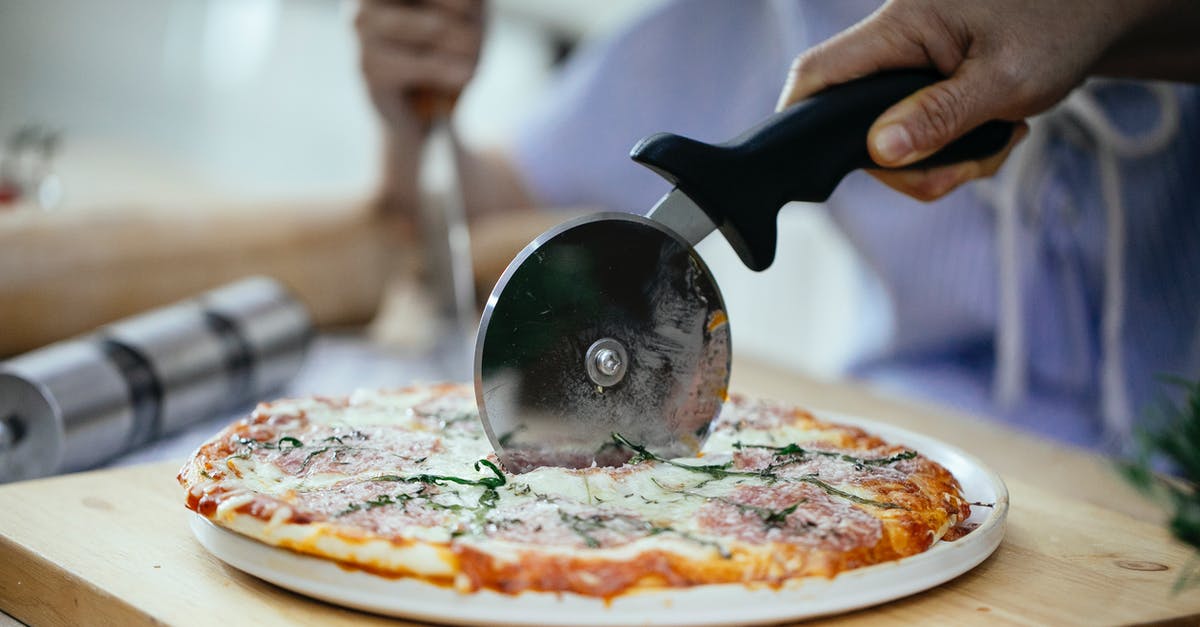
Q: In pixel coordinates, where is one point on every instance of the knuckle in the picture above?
(909, 20)
(940, 114)
(894, 18)
(803, 63)
(1008, 76)
(432, 27)
(809, 70)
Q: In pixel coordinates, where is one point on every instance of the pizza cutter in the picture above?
(609, 330)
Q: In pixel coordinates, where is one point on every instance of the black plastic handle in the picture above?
(801, 153)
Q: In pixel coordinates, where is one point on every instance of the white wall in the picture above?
(219, 98)
(245, 99)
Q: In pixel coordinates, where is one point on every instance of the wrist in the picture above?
(1157, 41)
(399, 192)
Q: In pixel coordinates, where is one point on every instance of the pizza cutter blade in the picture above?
(607, 324)
(609, 330)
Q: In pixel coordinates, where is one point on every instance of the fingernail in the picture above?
(893, 143)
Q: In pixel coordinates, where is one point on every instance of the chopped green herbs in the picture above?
(380, 501)
(722, 471)
(286, 442)
(506, 438)
(1169, 439)
(721, 550)
(487, 501)
(487, 482)
(794, 450)
(714, 470)
(812, 479)
(770, 517)
(459, 417)
(583, 527)
(310, 457)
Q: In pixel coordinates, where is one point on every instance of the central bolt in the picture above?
(606, 362)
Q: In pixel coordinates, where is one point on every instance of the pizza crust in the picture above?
(403, 483)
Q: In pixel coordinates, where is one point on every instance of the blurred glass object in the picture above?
(27, 174)
(209, 103)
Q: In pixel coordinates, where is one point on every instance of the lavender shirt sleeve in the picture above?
(708, 69)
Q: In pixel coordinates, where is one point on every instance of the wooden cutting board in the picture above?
(113, 547)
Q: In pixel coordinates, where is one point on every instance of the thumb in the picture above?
(931, 118)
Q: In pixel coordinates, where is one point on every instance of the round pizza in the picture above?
(404, 483)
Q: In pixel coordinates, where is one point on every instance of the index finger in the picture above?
(872, 45)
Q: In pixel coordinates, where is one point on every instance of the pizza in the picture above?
(404, 483)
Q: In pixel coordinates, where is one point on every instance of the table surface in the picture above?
(113, 546)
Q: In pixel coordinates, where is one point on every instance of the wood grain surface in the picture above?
(113, 546)
(67, 273)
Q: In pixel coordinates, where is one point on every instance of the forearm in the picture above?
(1162, 45)
(398, 194)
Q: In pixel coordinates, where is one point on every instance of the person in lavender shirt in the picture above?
(1050, 294)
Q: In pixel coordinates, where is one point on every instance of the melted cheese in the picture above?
(365, 480)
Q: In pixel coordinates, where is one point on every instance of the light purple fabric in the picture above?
(709, 69)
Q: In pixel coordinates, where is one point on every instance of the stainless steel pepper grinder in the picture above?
(80, 402)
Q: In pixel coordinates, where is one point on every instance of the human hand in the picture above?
(1003, 59)
(413, 48)
(416, 55)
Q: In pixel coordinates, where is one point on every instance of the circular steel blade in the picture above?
(608, 276)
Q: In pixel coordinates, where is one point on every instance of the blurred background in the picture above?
(197, 106)
(154, 150)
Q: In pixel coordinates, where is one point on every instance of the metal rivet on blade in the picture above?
(606, 362)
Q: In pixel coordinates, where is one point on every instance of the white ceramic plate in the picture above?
(725, 604)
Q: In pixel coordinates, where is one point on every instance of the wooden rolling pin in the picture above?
(66, 273)
(69, 272)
